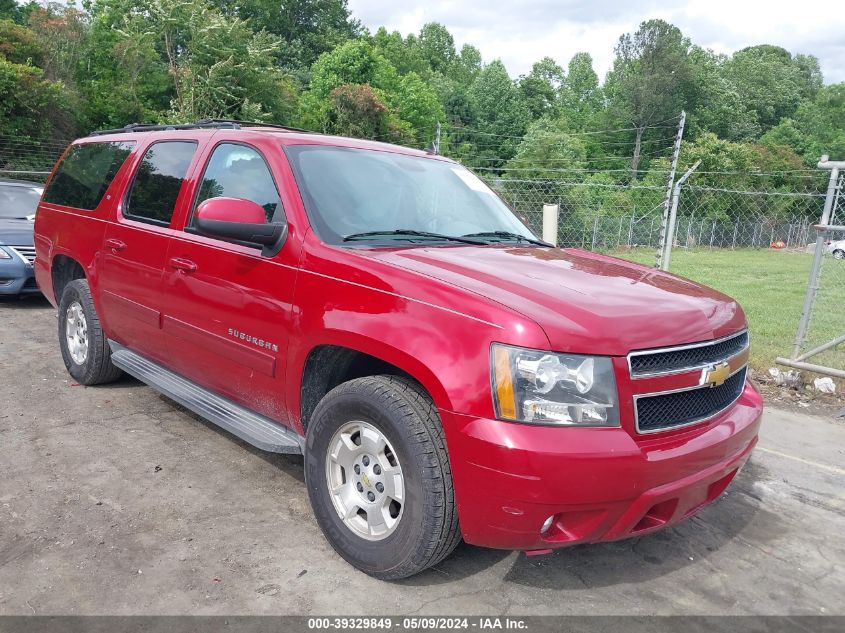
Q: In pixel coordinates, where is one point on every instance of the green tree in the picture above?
(715, 104)
(580, 94)
(467, 66)
(307, 28)
(179, 60)
(11, 10)
(500, 115)
(411, 106)
(547, 148)
(817, 128)
(771, 83)
(61, 31)
(437, 46)
(229, 71)
(358, 110)
(649, 80)
(355, 62)
(540, 88)
(20, 45)
(404, 56)
(30, 105)
(416, 103)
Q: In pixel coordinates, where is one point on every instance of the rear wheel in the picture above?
(85, 349)
(839, 254)
(378, 477)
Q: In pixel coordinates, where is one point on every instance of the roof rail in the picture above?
(237, 123)
(230, 124)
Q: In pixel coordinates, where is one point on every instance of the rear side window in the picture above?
(152, 197)
(85, 173)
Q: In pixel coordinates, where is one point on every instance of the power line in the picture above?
(589, 133)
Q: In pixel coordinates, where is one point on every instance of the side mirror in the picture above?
(240, 220)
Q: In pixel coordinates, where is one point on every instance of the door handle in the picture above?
(185, 265)
(115, 245)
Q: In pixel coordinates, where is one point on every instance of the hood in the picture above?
(585, 302)
(16, 232)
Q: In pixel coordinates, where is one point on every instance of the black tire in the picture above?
(97, 368)
(839, 254)
(428, 529)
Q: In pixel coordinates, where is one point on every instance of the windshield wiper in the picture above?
(505, 235)
(412, 233)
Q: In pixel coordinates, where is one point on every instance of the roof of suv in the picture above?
(289, 136)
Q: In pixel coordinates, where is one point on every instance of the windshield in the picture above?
(351, 191)
(18, 201)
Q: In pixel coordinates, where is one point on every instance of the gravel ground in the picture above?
(114, 500)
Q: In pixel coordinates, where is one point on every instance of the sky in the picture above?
(524, 31)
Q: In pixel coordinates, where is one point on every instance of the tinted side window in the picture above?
(85, 174)
(238, 171)
(158, 180)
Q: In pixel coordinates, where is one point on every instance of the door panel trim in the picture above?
(234, 351)
(138, 311)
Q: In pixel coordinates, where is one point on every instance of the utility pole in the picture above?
(670, 186)
(437, 140)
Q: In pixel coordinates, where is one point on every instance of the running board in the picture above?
(251, 427)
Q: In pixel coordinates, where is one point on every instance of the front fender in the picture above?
(407, 320)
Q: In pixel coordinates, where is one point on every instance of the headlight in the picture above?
(4, 254)
(557, 389)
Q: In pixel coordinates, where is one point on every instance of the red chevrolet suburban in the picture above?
(379, 310)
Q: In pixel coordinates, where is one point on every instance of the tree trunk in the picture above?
(635, 161)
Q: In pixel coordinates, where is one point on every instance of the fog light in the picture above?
(547, 524)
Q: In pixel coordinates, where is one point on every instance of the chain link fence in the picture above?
(593, 216)
(601, 216)
(24, 158)
(821, 330)
(712, 217)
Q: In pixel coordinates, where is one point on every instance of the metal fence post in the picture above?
(550, 220)
(669, 240)
(813, 282)
(670, 187)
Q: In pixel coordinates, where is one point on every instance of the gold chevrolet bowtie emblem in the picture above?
(715, 375)
(366, 480)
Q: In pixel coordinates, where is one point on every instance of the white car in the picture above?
(837, 249)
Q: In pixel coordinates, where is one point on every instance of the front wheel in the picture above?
(839, 254)
(378, 477)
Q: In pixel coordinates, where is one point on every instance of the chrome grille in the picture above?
(674, 360)
(659, 412)
(25, 252)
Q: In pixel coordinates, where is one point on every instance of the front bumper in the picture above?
(17, 277)
(599, 484)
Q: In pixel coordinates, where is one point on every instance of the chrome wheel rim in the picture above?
(76, 333)
(365, 480)
(839, 254)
